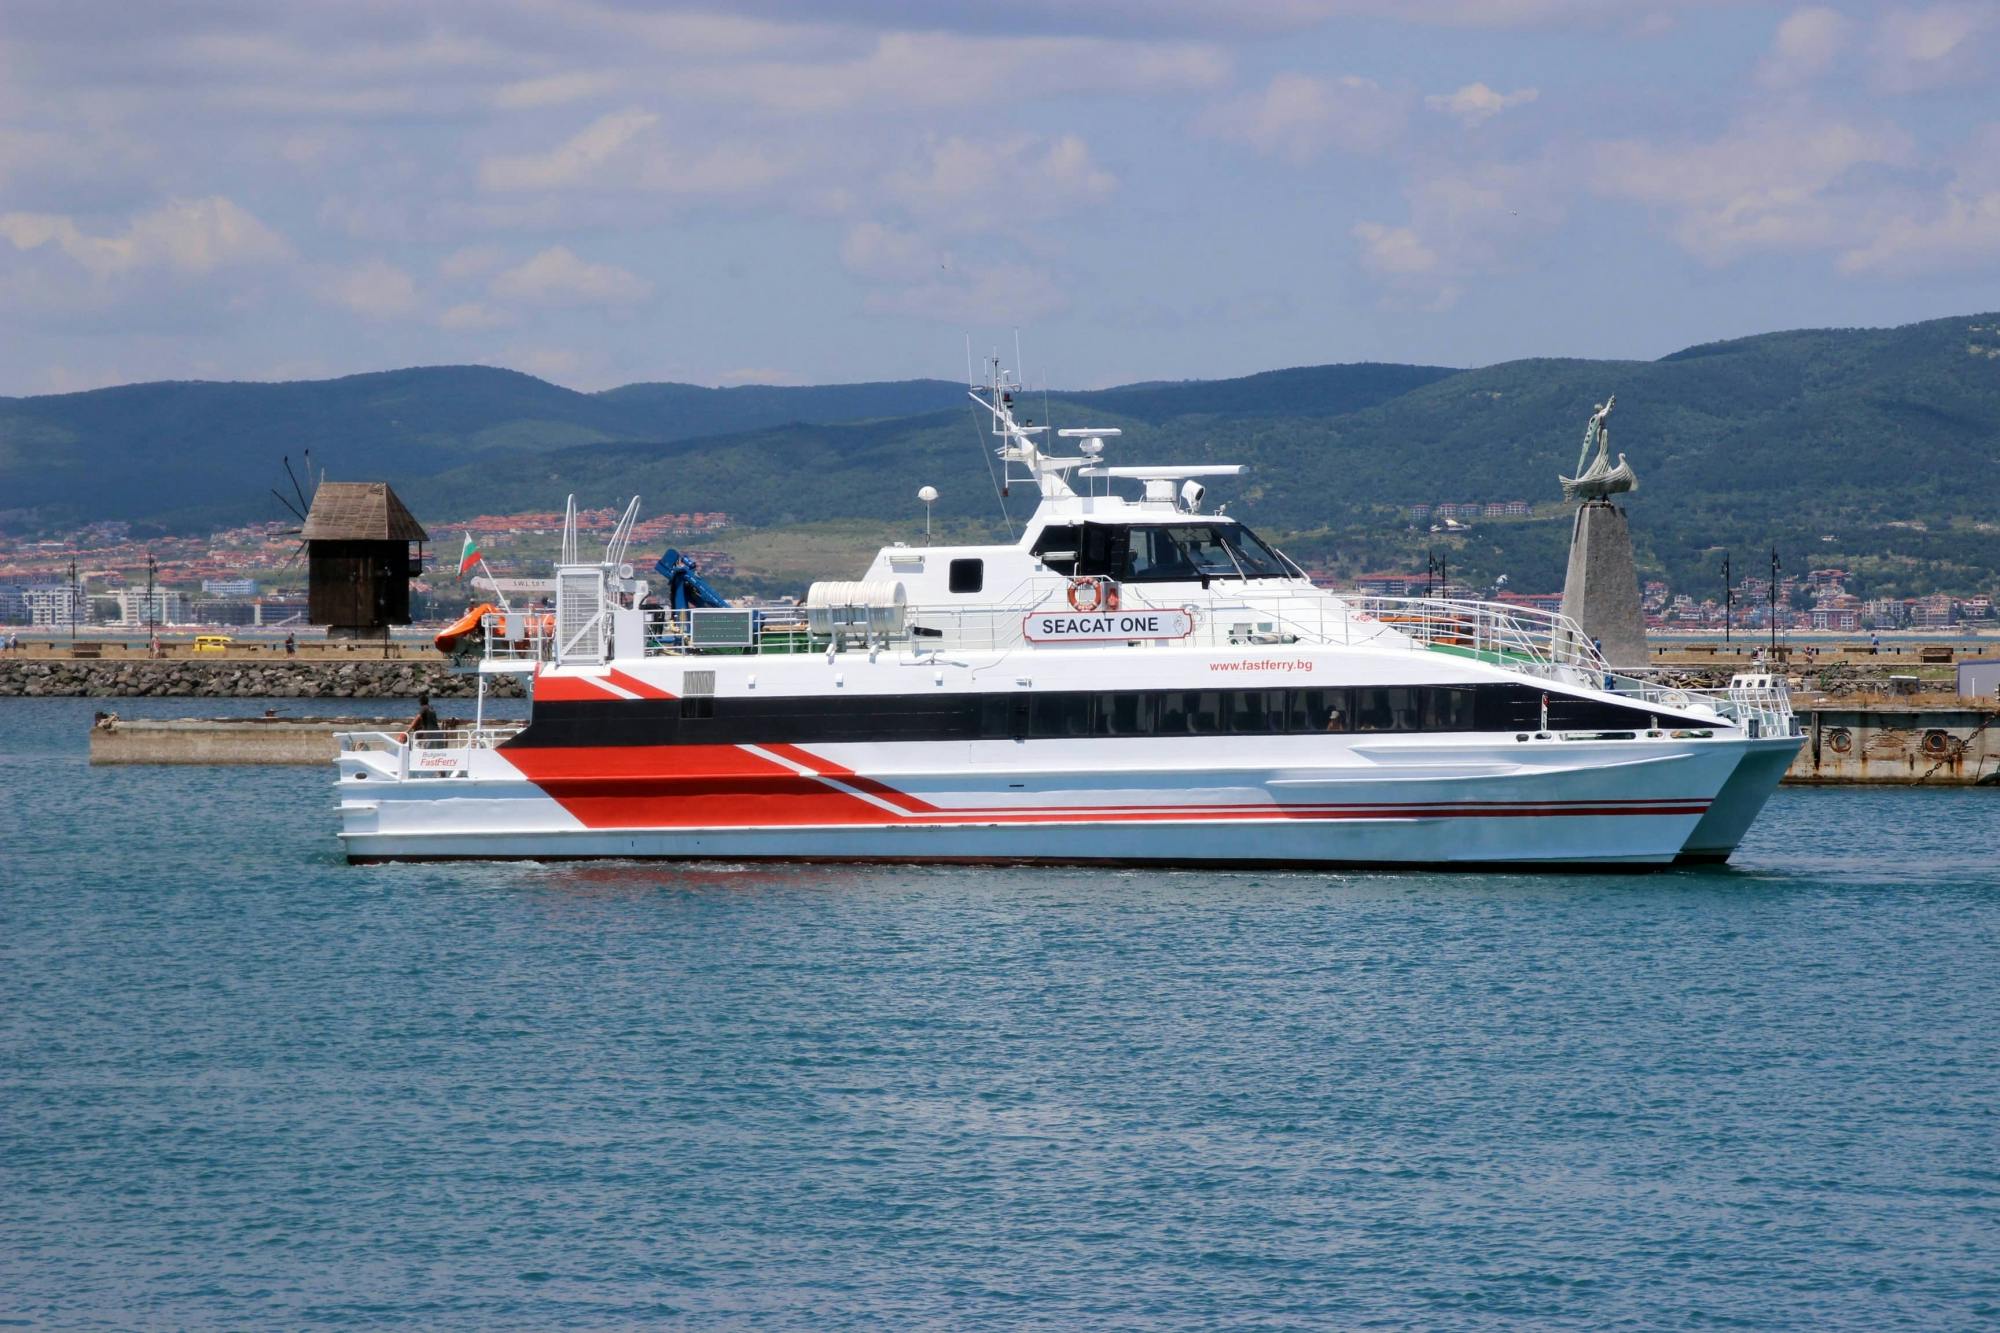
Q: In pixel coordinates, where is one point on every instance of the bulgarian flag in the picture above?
(468, 557)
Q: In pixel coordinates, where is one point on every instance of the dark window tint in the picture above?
(968, 575)
(1173, 714)
(1256, 712)
(1448, 709)
(1385, 710)
(1056, 547)
(1059, 715)
(1205, 711)
(1319, 710)
(1125, 714)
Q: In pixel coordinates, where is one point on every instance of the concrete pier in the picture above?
(1885, 744)
(225, 740)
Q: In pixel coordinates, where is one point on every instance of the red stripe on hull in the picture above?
(726, 786)
(683, 786)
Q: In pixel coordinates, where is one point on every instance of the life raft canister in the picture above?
(1092, 593)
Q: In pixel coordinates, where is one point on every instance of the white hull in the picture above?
(1408, 801)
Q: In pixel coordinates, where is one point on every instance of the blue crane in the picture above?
(686, 588)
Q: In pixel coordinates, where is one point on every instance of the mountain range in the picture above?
(1878, 449)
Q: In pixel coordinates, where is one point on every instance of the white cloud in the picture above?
(374, 289)
(1957, 231)
(185, 236)
(912, 274)
(474, 317)
(556, 277)
(470, 261)
(1475, 103)
(557, 89)
(1935, 46)
(559, 364)
(575, 161)
(1806, 46)
(1772, 184)
(905, 71)
(1396, 250)
(625, 151)
(877, 251)
(975, 184)
(1297, 117)
(1963, 233)
(1463, 224)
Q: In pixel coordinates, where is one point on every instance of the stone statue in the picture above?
(1596, 478)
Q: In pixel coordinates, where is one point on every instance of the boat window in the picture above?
(1319, 710)
(1393, 709)
(1256, 712)
(1205, 712)
(1125, 714)
(968, 575)
(1056, 547)
(1186, 552)
(1448, 709)
(1173, 714)
(1059, 715)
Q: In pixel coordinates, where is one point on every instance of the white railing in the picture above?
(438, 754)
(1543, 644)
(518, 636)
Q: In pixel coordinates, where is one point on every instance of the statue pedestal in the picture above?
(1601, 592)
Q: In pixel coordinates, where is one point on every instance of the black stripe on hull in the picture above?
(1064, 714)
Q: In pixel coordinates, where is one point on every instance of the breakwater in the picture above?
(283, 679)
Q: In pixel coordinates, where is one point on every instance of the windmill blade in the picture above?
(293, 558)
(288, 504)
(296, 488)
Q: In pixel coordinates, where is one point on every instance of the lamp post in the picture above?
(152, 616)
(1774, 602)
(1728, 599)
(71, 599)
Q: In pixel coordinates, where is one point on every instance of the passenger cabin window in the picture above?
(968, 575)
(1159, 552)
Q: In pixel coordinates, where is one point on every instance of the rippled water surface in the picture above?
(244, 1084)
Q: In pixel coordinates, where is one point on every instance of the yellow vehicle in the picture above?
(212, 643)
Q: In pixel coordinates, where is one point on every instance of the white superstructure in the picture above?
(1135, 680)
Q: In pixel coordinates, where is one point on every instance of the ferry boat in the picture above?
(1138, 679)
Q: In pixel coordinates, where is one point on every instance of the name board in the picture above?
(1106, 626)
(437, 759)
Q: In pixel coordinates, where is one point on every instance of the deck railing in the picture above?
(1543, 644)
(444, 753)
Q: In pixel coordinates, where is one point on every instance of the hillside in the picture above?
(194, 454)
(1874, 448)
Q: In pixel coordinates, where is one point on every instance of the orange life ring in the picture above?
(1077, 587)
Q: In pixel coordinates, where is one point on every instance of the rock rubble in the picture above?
(30, 677)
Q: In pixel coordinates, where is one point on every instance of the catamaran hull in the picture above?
(1579, 804)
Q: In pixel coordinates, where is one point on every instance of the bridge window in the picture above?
(968, 575)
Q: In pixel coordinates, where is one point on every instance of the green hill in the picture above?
(1878, 449)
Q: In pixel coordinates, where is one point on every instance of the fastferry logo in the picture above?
(1106, 626)
(1265, 664)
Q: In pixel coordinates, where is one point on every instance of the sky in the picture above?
(785, 192)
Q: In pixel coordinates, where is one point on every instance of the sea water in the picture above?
(244, 1084)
